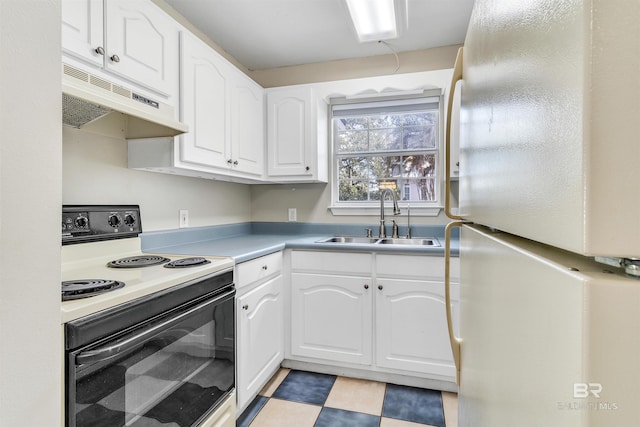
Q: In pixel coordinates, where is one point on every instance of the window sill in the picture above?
(429, 211)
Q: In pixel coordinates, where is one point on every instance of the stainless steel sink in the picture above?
(410, 242)
(347, 239)
(420, 241)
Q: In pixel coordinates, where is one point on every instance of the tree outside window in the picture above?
(379, 150)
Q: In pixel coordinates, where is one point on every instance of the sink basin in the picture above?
(422, 241)
(345, 239)
(419, 241)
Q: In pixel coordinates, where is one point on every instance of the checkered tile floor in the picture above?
(304, 399)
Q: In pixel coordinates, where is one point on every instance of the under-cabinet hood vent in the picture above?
(87, 98)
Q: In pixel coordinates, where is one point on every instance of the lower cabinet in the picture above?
(411, 327)
(392, 319)
(260, 333)
(331, 317)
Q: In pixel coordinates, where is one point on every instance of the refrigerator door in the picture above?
(547, 337)
(550, 120)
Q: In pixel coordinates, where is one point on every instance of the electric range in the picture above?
(94, 236)
(157, 331)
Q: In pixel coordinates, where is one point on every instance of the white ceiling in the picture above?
(263, 34)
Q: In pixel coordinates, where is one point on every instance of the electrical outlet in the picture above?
(184, 218)
(293, 214)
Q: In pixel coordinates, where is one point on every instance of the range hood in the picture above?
(87, 98)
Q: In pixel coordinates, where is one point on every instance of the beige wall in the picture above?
(95, 172)
(383, 65)
(312, 201)
(30, 168)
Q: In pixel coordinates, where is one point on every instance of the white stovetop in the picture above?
(88, 261)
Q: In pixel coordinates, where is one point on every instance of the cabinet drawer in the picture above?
(418, 267)
(332, 262)
(258, 269)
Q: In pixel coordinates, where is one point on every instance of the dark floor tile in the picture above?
(305, 387)
(252, 410)
(331, 417)
(413, 404)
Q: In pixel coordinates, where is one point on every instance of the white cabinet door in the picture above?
(142, 44)
(331, 317)
(288, 131)
(296, 135)
(83, 30)
(411, 327)
(260, 337)
(204, 104)
(247, 125)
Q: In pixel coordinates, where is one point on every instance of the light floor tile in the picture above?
(274, 382)
(282, 413)
(450, 405)
(357, 395)
(390, 422)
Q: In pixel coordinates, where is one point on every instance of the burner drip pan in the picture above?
(187, 262)
(76, 289)
(138, 261)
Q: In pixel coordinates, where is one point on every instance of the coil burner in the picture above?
(138, 261)
(187, 262)
(76, 289)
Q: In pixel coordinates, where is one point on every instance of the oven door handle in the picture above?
(129, 342)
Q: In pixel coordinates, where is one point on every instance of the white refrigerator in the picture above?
(549, 175)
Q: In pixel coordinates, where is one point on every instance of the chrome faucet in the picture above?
(396, 209)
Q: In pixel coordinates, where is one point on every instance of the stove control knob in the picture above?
(130, 220)
(114, 220)
(81, 221)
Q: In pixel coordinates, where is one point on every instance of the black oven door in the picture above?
(173, 370)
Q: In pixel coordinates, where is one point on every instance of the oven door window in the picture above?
(171, 372)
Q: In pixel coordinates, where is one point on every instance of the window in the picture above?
(387, 144)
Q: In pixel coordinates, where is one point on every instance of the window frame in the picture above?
(372, 208)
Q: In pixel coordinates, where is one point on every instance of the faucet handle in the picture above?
(395, 230)
(369, 232)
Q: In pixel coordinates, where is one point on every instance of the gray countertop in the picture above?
(244, 242)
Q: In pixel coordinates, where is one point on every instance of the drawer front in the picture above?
(322, 262)
(258, 269)
(415, 266)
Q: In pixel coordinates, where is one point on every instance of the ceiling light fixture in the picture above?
(373, 20)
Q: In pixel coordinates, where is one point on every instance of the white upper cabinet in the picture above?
(224, 109)
(247, 125)
(142, 43)
(83, 30)
(134, 40)
(296, 135)
(205, 99)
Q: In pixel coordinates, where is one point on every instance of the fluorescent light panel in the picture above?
(373, 19)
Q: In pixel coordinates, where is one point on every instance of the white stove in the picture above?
(161, 333)
(88, 261)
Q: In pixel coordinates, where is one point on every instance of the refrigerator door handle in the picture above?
(455, 341)
(457, 75)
